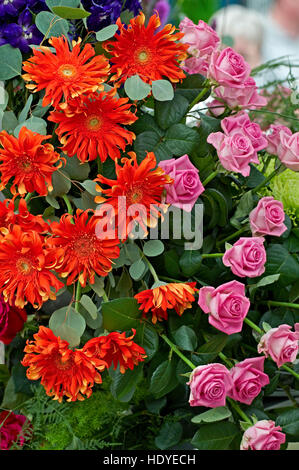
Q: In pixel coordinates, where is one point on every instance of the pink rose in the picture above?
(246, 97)
(184, 192)
(248, 379)
(227, 306)
(235, 152)
(280, 343)
(246, 257)
(11, 429)
(228, 68)
(274, 137)
(209, 385)
(267, 218)
(242, 122)
(288, 151)
(263, 435)
(215, 108)
(202, 41)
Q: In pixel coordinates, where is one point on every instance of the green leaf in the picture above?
(171, 112)
(136, 89)
(210, 350)
(89, 306)
(137, 270)
(106, 33)
(162, 90)
(11, 399)
(181, 139)
(35, 124)
(9, 121)
(61, 184)
(123, 386)
(190, 262)
(68, 324)
(52, 201)
(185, 338)
(169, 435)
(153, 248)
(75, 169)
(51, 25)
(265, 281)
(64, 3)
(244, 208)
(11, 62)
(208, 124)
(289, 421)
(121, 314)
(210, 416)
(4, 374)
(70, 13)
(24, 113)
(147, 337)
(214, 437)
(150, 141)
(163, 380)
(155, 406)
(280, 261)
(90, 186)
(191, 86)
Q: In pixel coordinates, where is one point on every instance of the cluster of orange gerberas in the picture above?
(36, 255)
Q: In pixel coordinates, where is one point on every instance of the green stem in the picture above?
(239, 411)
(275, 303)
(68, 203)
(198, 98)
(78, 296)
(178, 352)
(233, 235)
(225, 359)
(151, 268)
(253, 326)
(210, 178)
(169, 279)
(266, 180)
(291, 371)
(105, 297)
(28, 197)
(212, 255)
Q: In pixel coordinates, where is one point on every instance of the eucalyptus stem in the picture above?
(105, 297)
(210, 178)
(28, 197)
(152, 269)
(78, 296)
(178, 352)
(68, 203)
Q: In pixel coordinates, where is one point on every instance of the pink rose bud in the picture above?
(264, 435)
(202, 41)
(209, 385)
(187, 186)
(248, 379)
(268, 218)
(227, 306)
(228, 68)
(246, 97)
(280, 343)
(246, 257)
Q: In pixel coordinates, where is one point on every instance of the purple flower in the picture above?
(106, 12)
(21, 34)
(163, 8)
(10, 8)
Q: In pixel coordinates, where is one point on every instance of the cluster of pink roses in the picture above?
(210, 384)
(226, 68)
(283, 143)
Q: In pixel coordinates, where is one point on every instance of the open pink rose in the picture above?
(187, 186)
(202, 41)
(209, 385)
(227, 306)
(228, 68)
(241, 122)
(263, 435)
(248, 379)
(268, 218)
(11, 429)
(280, 343)
(274, 137)
(288, 151)
(246, 97)
(246, 257)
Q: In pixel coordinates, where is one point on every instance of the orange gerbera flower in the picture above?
(117, 349)
(136, 184)
(25, 269)
(91, 126)
(28, 162)
(23, 218)
(159, 300)
(142, 50)
(84, 254)
(66, 73)
(63, 372)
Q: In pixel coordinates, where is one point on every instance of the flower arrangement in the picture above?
(146, 261)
